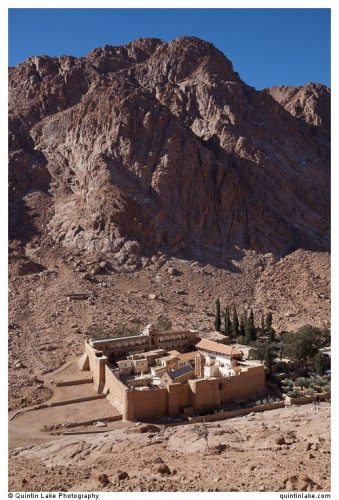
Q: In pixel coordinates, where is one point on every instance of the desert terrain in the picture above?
(151, 179)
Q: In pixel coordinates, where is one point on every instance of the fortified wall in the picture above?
(171, 399)
(189, 398)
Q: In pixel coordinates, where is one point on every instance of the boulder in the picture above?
(172, 271)
(163, 469)
(144, 428)
(122, 475)
(103, 479)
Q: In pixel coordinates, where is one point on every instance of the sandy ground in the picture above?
(26, 429)
(30, 426)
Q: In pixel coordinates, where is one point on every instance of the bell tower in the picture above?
(198, 365)
(151, 332)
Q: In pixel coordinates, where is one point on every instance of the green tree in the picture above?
(326, 338)
(320, 364)
(321, 338)
(268, 326)
(235, 323)
(228, 324)
(242, 324)
(247, 331)
(269, 357)
(280, 351)
(262, 325)
(258, 352)
(268, 321)
(217, 320)
(272, 335)
(304, 343)
(250, 334)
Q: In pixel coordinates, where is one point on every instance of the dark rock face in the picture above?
(155, 146)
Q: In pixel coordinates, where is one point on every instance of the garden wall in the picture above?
(236, 413)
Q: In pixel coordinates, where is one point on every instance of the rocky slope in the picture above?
(310, 103)
(279, 450)
(161, 146)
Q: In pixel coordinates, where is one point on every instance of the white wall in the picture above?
(223, 361)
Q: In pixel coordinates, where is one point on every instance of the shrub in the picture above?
(287, 382)
(100, 332)
(302, 382)
(164, 324)
(294, 394)
(322, 381)
(97, 332)
(287, 385)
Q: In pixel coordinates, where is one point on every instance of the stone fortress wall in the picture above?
(197, 395)
(194, 396)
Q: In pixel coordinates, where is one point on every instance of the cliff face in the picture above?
(310, 103)
(155, 146)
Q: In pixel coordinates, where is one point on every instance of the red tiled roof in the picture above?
(209, 345)
(187, 355)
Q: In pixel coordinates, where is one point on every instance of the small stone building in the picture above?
(181, 375)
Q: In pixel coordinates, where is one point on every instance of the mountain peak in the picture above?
(163, 146)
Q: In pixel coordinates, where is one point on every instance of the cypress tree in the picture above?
(268, 326)
(242, 326)
(217, 320)
(269, 358)
(272, 335)
(268, 321)
(252, 325)
(247, 329)
(235, 323)
(250, 334)
(228, 324)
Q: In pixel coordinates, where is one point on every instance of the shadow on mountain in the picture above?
(21, 225)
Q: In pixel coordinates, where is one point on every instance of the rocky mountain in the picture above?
(161, 146)
(310, 103)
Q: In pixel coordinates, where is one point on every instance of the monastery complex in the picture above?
(170, 374)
